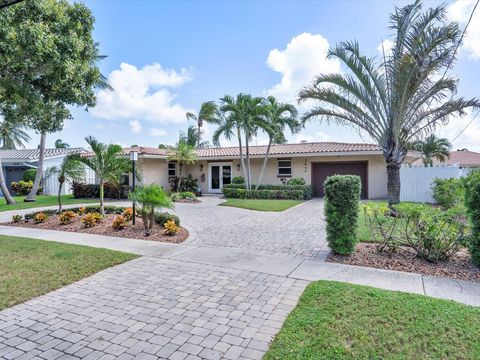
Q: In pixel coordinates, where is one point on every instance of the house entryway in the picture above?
(219, 174)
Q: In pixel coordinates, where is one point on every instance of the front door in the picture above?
(219, 174)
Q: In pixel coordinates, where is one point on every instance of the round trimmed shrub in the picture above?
(238, 180)
(342, 198)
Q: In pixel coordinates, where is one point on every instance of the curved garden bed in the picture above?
(105, 226)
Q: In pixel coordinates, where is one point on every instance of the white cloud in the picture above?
(135, 126)
(460, 11)
(157, 132)
(386, 47)
(469, 137)
(304, 58)
(318, 136)
(142, 94)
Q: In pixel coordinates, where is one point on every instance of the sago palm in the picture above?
(400, 99)
(69, 169)
(432, 147)
(208, 114)
(277, 116)
(108, 163)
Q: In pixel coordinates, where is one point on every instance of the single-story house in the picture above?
(463, 158)
(15, 162)
(312, 161)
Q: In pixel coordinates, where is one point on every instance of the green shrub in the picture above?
(296, 181)
(472, 202)
(448, 192)
(238, 180)
(294, 192)
(434, 233)
(17, 218)
(162, 217)
(29, 175)
(342, 198)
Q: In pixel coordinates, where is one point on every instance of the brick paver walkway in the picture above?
(154, 307)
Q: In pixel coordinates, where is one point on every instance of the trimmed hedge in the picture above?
(472, 202)
(88, 191)
(342, 198)
(263, 194)
(162, 217)
(294, 192)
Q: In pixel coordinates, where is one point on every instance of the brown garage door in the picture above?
(320, 172)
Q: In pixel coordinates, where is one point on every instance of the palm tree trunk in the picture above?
(60, 185)
(242, 161)
(247, 151)
(393, 182)
(264, 165)
(145, 222)
(39, 175)
(6, 194)
(102, 206)
(199, 135)
(180, 173)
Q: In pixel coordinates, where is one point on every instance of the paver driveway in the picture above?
(154, 307)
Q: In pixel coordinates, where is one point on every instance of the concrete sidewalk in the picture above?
(293, 267)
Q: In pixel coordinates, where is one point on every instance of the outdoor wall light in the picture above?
(201, 167)
(238, 167)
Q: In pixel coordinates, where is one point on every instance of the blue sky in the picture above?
(167, 57)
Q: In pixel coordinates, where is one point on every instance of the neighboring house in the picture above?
(15, 162)
(313, 161)
(463, 158)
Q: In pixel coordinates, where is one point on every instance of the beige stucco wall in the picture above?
(155, 171)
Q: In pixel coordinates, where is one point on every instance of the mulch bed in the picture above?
(105, 228)
(366, 254)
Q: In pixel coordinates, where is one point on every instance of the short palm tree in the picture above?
(401, 99)
(432, 147)
(276, 118)
(148, 199)
(69, 169)
(108, 163)
(208, 114)
(12, 136)
(183, 154)
(60, 144)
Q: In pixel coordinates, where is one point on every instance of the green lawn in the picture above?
(42, 200)
(342, 321)
(30, 268)
(262, 205)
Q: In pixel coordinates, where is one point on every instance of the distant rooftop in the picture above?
(33, 154)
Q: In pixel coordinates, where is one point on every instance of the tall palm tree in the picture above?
(432, 147)
(60, 144)
(184, 154)
(240, 115)
(192, 137)
(69, 169)
(277, 117)
(400, 99)
(107, 161)
(208, 114)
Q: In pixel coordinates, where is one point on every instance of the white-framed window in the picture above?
(172, 169)
(284, 167)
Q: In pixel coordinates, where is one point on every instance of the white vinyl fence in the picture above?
(50, 183)
(416, 181)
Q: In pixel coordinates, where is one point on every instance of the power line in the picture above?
(9, 3)
(466, 126)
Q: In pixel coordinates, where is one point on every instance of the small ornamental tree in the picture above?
(472, 202)
(148, 199)
(342, 197)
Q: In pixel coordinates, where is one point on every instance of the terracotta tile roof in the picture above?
(33, 154)
(289, 149)
(282, 149)
(463, 158)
